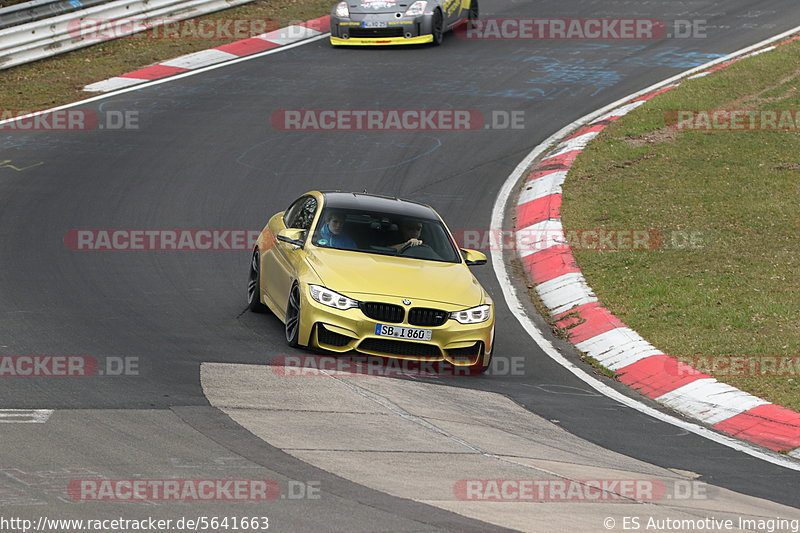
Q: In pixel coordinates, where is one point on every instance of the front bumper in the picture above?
(398, 30)
(386, 41)
(351, 330)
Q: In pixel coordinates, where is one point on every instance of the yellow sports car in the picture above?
(375, 274)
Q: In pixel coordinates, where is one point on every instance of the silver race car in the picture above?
(390, 22)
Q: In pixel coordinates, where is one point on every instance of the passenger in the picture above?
(332, 234)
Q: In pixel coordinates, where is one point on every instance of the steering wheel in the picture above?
(407, 246)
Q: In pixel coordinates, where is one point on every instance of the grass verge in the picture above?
(726, 279)
(60, 79)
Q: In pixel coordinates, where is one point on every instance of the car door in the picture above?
(284, 261)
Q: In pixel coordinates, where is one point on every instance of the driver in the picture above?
(332, 233)
(410, 230)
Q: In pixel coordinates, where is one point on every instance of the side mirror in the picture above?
(473, 257)
(293, 236)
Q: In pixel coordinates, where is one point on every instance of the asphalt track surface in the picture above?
(206, 157)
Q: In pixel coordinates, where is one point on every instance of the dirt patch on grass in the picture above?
(664, 135)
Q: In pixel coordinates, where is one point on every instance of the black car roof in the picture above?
(382, 204)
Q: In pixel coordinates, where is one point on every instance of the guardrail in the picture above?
(41, 9)
(55, 35)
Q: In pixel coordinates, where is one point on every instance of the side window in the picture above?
(304, 216)
(290, 214)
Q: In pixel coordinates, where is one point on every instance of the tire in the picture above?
(254, 285)
(473, 13)
(437, 27)
(479, 368)
(292, 324)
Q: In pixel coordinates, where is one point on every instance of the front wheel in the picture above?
(254, 285)
(472, 15)
(437, 27)
(292, 325)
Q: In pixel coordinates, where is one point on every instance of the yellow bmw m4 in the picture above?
(372, 274)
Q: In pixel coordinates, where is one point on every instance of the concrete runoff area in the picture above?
(421, 441)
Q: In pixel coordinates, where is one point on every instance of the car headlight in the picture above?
(417, 8)
(342, 10)
(331, 298)
(473, 315)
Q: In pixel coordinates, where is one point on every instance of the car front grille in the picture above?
(383, 312)
(371, 33)
(392, 347)
(422, 316)
(331, 338)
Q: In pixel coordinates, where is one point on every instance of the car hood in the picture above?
(354, 273)
(367, 7)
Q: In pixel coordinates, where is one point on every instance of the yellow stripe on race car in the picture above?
(386, 41)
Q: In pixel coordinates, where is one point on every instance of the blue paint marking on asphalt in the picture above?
(592, 67)
(76, 3)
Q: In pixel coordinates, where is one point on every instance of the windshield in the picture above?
(385, 234)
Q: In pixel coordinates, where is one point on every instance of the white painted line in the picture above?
(539, 236)
(577, 143)
(701, 75)
(24, 416)
(516, 307)
(200, 59)
(759, 52)
(565, 292)
(618, 348)
(795, 453)
(289, 34)
(112, 84)
(709, 400)
(169, 79)
(541, 187)
(622, 111)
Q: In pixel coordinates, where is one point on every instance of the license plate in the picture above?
(402, 332)
(373, 24)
